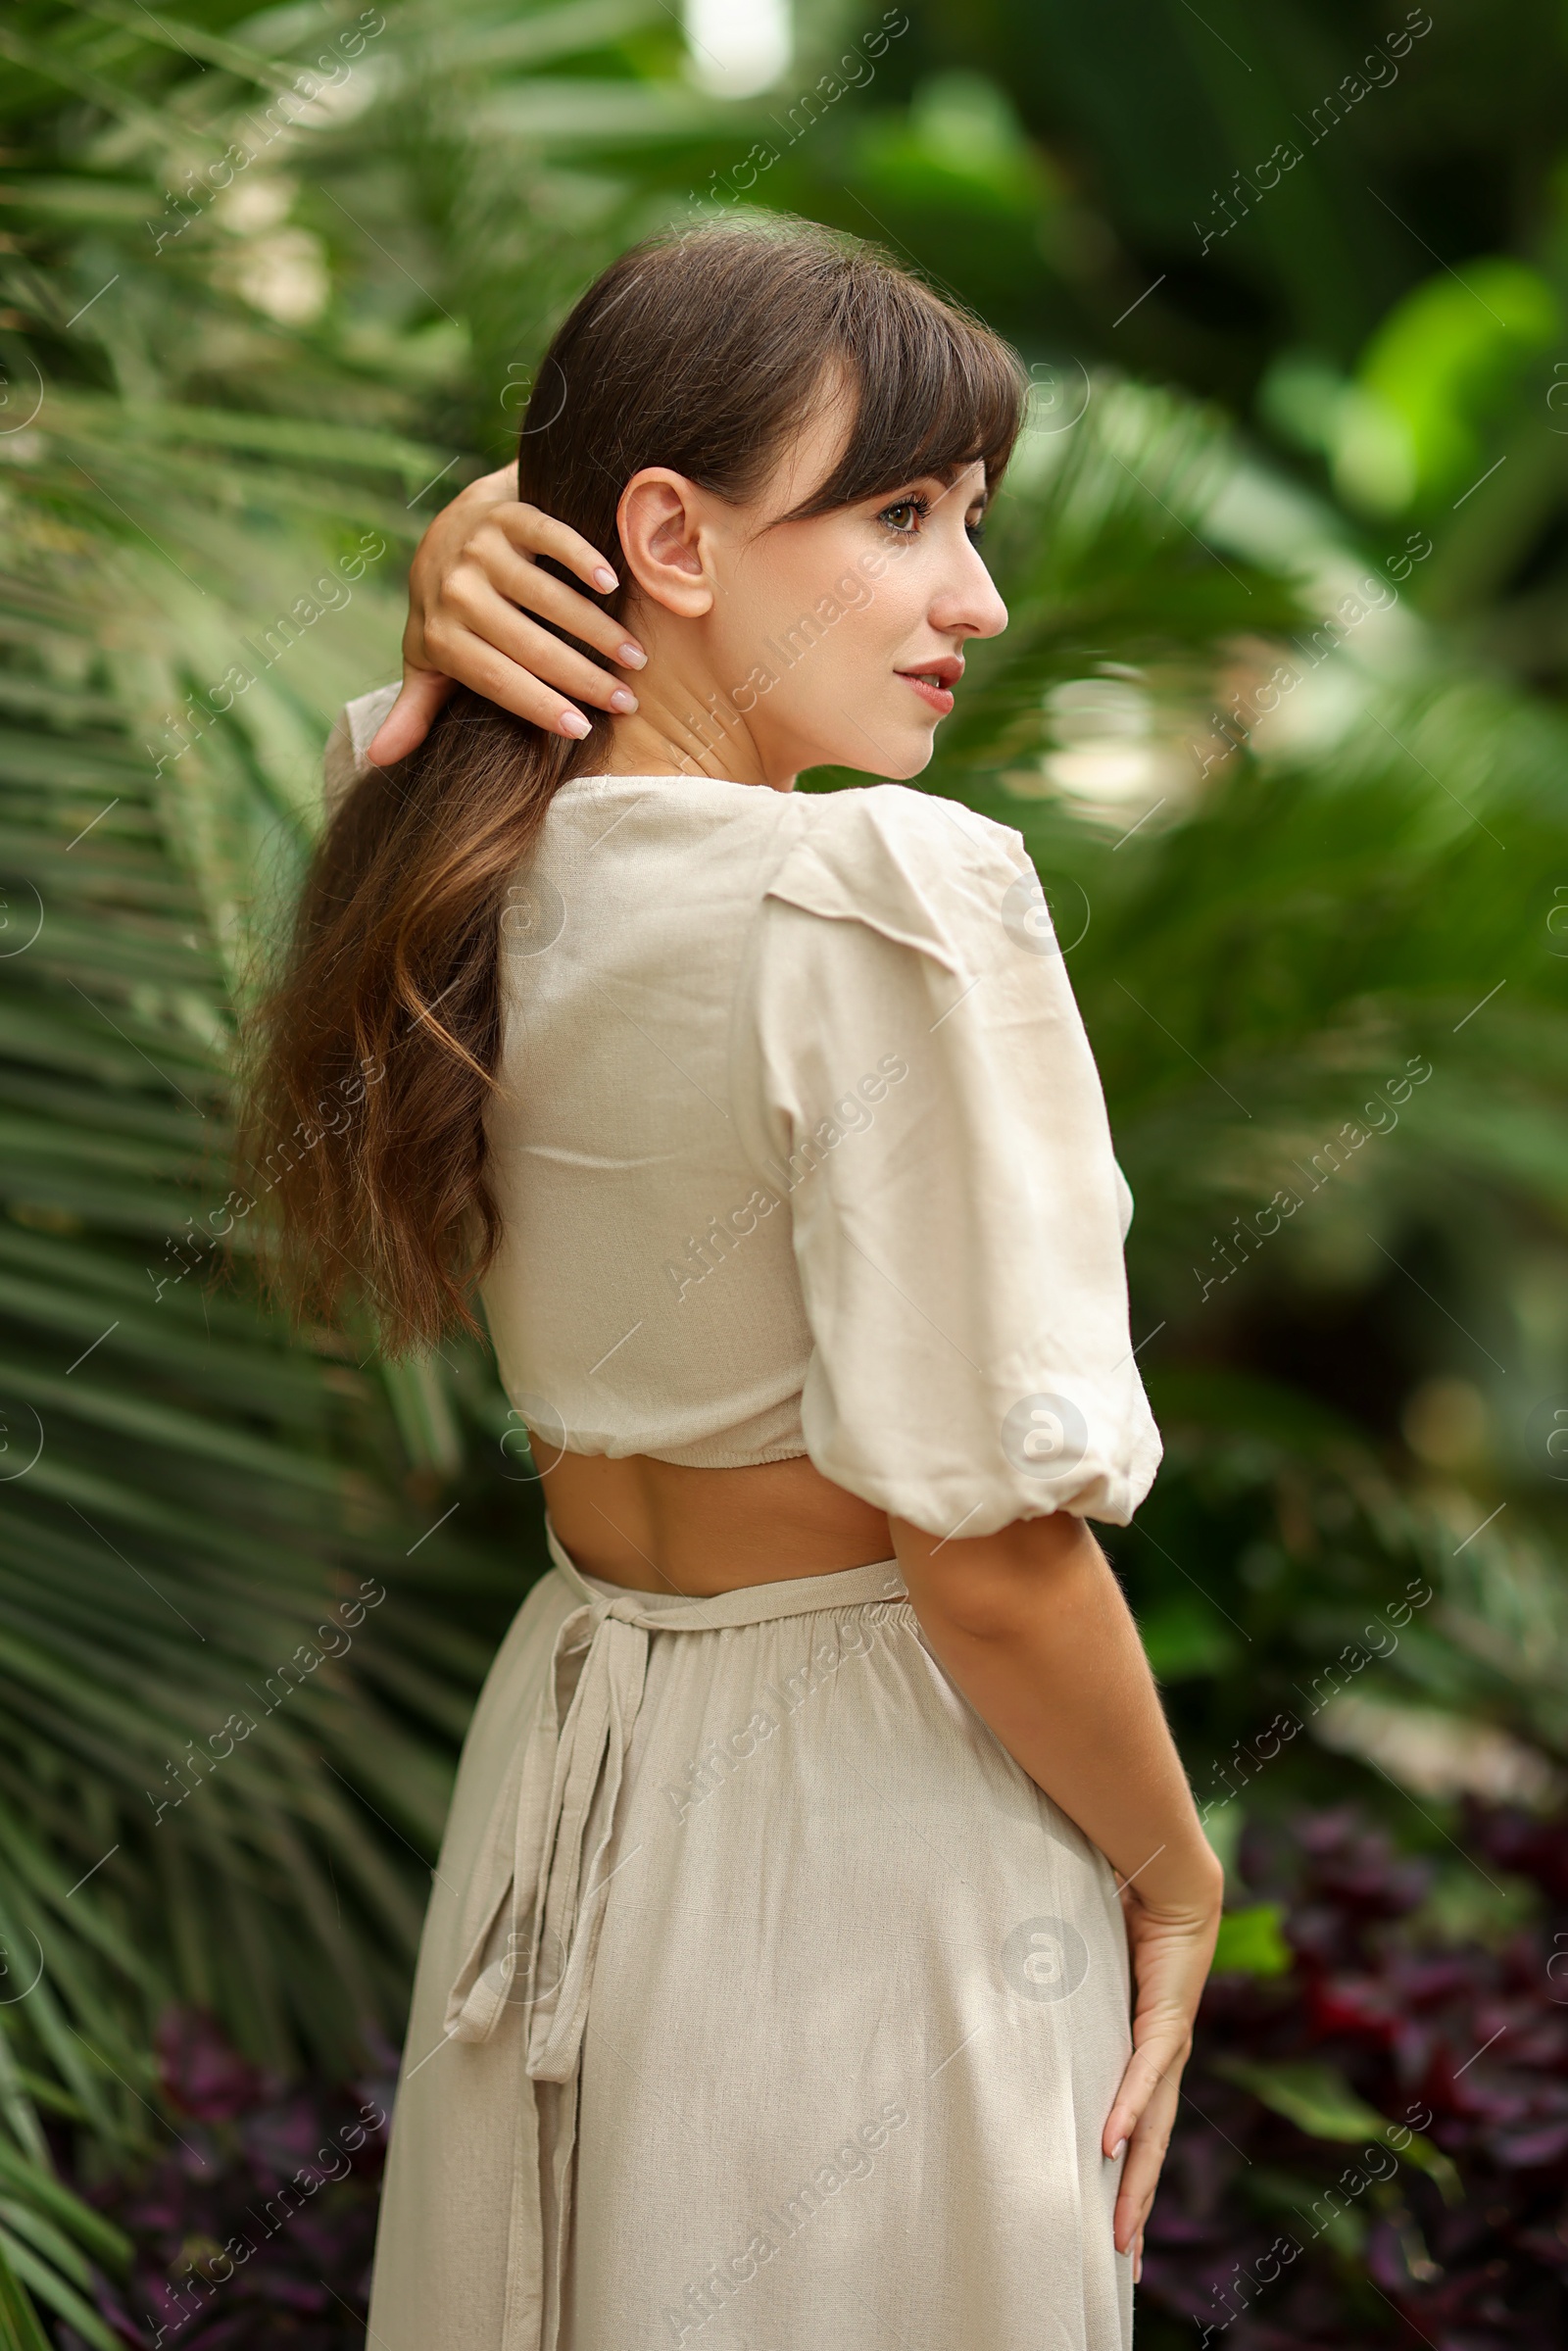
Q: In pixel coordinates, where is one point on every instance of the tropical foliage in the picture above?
(1277, 715)
(1358, 2146)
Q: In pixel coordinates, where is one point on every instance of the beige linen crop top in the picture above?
(800, 1147)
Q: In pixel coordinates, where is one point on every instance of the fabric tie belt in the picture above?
(538, 1905)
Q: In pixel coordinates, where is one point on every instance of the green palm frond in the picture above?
(231, 396)
(240, 1622)
(1265, 952)
(50, 2243)
(182, 1487)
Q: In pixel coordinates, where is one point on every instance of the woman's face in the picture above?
(775, 645)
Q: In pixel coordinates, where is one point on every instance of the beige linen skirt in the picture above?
(763, 2002)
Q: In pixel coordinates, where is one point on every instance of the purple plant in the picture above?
(257, 2230)
(1374, 2144)
(1372, 2148)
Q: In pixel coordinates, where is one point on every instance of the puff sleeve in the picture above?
(917, 1083)
(348, 746)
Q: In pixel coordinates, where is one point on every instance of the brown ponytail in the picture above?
(376, 1050)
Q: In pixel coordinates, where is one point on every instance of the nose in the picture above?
(967, 603)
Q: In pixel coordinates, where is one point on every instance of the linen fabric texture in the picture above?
(762, 1999)
(763, 2002)
(800, 1147)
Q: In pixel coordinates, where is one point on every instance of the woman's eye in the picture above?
(909, 506)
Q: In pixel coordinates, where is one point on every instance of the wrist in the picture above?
(490, 489)
(1183, 1889)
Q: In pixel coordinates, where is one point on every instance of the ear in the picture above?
(661, 520)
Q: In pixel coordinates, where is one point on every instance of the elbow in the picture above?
(990, 1611)
(989, 1589)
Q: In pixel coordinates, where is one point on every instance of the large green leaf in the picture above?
(241, 396)
(1316, 2097)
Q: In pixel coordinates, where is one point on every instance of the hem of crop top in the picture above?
(692, 1456)
(701, 1455)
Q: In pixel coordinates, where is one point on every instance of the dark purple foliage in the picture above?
(1264, 2237)
(1475, 2038)
(257, 2229)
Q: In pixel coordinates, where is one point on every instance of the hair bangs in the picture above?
(705, 351)
(935, 391)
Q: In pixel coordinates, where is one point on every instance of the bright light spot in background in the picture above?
(737, 47)
(1112, 759)
(1103, 729)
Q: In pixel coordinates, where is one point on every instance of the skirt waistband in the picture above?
(751, 1604)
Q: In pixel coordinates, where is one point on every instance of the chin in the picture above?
(917, 759)
(892, 753)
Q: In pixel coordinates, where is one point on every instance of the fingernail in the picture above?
(604, 577)
(620, 699)
(1118, 2150)
(632, 656)
(572, 722)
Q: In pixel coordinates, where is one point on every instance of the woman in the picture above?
(775, 1988)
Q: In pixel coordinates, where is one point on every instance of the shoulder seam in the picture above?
(906, 882)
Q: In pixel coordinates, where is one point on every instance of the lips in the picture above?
(933, 682)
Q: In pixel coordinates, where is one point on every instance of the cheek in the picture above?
(820, 579)
(768, 591)
(833, 660)
(835, 698)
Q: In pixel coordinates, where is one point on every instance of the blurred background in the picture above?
(1281, 715)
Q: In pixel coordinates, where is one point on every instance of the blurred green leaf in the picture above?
(1250, 1944)
(1319, 2101)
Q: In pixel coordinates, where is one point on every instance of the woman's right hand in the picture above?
(472, 587)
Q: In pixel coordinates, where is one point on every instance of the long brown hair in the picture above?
(377, 1047)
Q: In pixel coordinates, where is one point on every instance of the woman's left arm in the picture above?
(1031, 1625)
(957, 1231)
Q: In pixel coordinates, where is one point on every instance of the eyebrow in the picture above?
(982, 496)
(948, 479)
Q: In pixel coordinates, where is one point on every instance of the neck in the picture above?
(686, 724)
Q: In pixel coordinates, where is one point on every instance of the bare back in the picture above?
(656, 1526)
